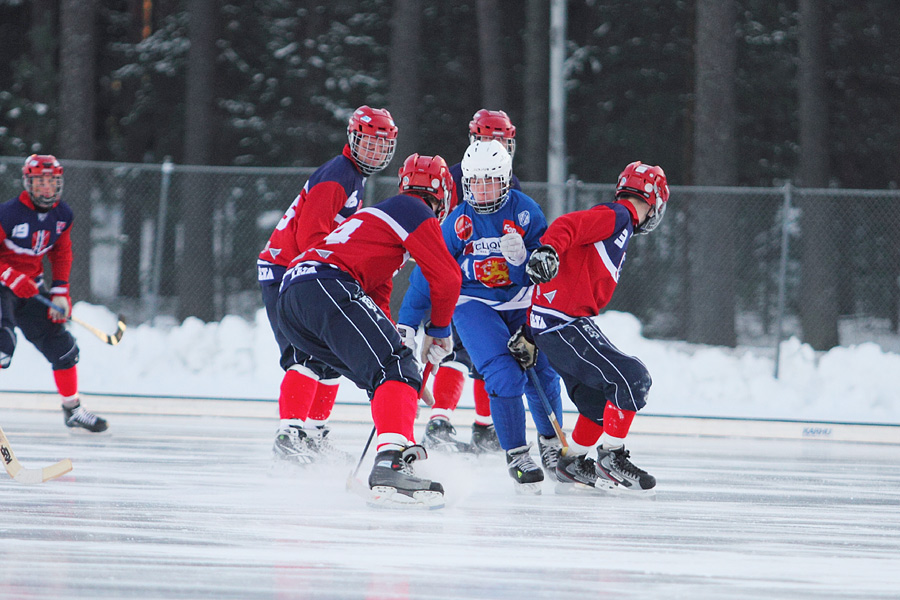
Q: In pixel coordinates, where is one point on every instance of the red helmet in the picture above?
(649, 183)
(372, 135)
(42, 165)
(428, 175)
(489, 125)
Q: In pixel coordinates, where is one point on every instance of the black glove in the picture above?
(543, 265)
(522, 348)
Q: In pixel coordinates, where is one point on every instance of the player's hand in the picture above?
(513, 248)
(434, 350)
(21, 284)
(65, 308)
(522, 348)
(543, 265)
(408, 335)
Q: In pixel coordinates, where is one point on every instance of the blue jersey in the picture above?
(474, 241)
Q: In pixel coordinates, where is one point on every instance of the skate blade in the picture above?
(528, 489)
(81, 431)
(449, 448)
(382, 496)
(621, 490)
(294, 460)
(571, 488)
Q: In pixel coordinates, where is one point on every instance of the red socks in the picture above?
(482, 403)
(297, 393)
(586, 432)
(394, 414)
(66, 382)
(323, 402)
(617, 422)
(448, 387)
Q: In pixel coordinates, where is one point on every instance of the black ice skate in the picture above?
(440, 436)
(575, 471)
(484, 439)
(293, 444)
(327, 452)
(394, 484)
(550, 449)
(527, 475)
(613, 466)
(78, 417)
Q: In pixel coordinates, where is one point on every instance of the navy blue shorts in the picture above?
(51, 339)
(593, 369)
(336, 322)
(290, 356)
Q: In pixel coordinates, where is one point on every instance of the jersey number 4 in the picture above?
(342, 234)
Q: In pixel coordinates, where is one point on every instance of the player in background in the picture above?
(335, 305)
(576, 270)
(449, 380)
(36, 224)
(491, 236)
(333, 193)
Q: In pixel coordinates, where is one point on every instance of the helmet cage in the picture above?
(38, 166)
(489, 125)
(647, 182)
(486, 175)
(372, 136)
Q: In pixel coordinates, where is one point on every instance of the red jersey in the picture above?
(375, 243)
(591, 245)
(27, 235)
(333, 192)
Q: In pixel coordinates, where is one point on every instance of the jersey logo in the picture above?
(550, 295)
(510, 227)
(483, 247)
(20, 230)
(352, 201)
(524, 218)
(323, 253)
(60, 227)
(492, 271)
(623, 237)
(463, 227)
(274, 252)
(40, 240)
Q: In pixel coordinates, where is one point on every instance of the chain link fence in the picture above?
(165, 241)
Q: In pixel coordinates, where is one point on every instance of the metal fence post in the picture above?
(571, 194)
(782, 272)
(166, 170)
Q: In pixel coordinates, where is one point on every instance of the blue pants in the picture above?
(335, 321)
(485, 332)
(593, 369)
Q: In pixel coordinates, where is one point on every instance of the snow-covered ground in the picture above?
(239, 359)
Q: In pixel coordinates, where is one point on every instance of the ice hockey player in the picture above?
(36, 224)
(576, 270)
(491, 235)
(333, 193)
(449, 380)
(334, 305)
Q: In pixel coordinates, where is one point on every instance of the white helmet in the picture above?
(486, 173)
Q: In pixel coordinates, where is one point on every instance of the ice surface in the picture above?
(193, 507)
